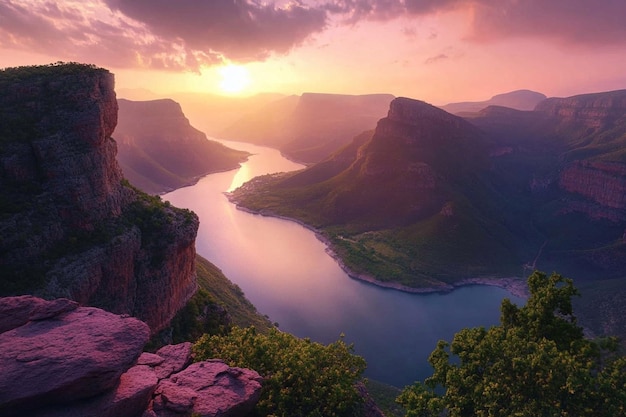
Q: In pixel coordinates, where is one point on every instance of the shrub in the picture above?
(302, 378)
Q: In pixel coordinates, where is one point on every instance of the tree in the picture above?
(302, 378)
(535, 363)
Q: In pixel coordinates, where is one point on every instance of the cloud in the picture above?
(161, 34)
(581, 22)
(88, 32)
(189, 34)
(241, 30)
(436, 58)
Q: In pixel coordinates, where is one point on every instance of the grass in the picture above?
(242, 311)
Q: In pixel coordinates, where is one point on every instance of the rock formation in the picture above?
(593, 111)
(159, 150)
(71, 225)
(62, 360)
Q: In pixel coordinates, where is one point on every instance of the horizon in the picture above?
(443, 52)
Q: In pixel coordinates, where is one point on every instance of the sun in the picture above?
(234, 79)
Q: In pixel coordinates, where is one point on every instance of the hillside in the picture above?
(310, 127)
(158, 150)
(430, 200)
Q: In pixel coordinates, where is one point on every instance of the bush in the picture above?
(535, 363)
(302, 378)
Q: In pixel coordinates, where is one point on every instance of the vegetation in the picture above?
(535, 363)
(302, 378)
(240, 310)
(384, 396)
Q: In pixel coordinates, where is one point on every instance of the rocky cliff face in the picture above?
(593, 111)
(159, 150)
(71, 225)
(604, 183)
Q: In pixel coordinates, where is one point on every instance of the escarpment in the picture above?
(432, 198)
(71, 224)
(159, 150)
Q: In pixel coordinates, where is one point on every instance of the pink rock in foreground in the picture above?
(208, 389)
(65, 357)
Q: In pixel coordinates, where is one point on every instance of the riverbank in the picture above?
(515, 286)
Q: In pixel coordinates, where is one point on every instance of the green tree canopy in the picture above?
(535, 363)
(302, 378)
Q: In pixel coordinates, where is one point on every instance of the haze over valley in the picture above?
(314, 208)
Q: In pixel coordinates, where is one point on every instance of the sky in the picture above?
(439, 51)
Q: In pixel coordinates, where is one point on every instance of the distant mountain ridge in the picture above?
(310, 127)
(159, 150)
(518, 99)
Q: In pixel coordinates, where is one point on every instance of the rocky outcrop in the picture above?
(62, 360)
(58, 353)
(71, 225)
(603, 183)
(593, 111)
(159, 150)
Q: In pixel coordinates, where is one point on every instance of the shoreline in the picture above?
(515, 286)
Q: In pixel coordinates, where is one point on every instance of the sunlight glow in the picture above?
(234, 79)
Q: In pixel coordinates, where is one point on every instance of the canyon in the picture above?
(429, 199)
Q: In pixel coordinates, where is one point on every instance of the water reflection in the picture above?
(284, 270)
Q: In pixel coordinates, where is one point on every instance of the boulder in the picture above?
(63, 356)
(208, 389)
(129, 399)
(175, 359)
(62, 360)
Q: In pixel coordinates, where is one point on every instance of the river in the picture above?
(285, 272)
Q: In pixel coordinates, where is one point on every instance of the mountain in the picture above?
(72, 226)
(158, 150)
(519, 100)
(430, 199)
(410, 203)
(310, 127)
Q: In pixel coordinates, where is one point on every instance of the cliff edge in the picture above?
(71, 225)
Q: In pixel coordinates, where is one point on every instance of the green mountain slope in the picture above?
(430, 199)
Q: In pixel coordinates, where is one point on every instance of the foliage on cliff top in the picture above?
(302, 378)
(535, 363)
(11, 74)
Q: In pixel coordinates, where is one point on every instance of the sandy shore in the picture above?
(516, 286)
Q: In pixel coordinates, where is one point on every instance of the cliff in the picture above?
(71, 224)
(159, 150)
(592, 111)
